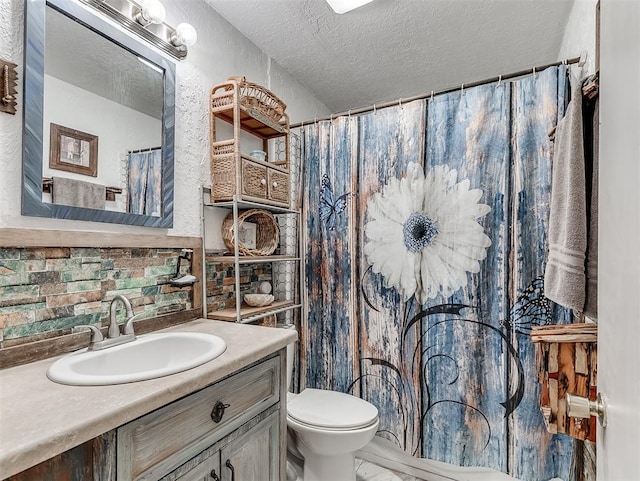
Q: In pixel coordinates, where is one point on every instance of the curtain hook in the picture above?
(535, 77)
(564, 62)
(400, 102)
(315, 121)
(462, 89)
(499, 81)
(374, 109)
(349, 113)
(432, 95)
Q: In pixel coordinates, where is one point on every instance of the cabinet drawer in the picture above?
(155, 444)
(278, 186)
(254, 179)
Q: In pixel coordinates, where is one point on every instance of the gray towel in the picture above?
(591, 298)
(564, 277)
(78, 193)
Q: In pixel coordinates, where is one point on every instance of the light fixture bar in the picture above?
(125, 12)
(344, 6)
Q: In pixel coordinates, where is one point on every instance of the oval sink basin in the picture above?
(148, 357)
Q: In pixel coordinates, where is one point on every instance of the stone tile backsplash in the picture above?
(45, 292)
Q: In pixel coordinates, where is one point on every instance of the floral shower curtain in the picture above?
(425, 246)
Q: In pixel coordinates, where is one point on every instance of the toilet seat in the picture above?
(331, 410)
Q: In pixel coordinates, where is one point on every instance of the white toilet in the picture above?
(328, 427)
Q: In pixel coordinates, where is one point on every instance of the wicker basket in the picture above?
(257, 97)
(252, 96)
(267, 232)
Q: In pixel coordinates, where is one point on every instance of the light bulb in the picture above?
(185, 35)
(152, 11)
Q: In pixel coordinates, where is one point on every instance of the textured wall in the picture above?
(580, 33)
(44, 292)
(221, 51)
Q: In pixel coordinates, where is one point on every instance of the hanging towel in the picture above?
(591, 297)
(78, 193)
(564, 278)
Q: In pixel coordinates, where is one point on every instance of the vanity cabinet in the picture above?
(229, 428)
(252, 455)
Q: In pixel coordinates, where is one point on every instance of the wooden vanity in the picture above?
(220, 421)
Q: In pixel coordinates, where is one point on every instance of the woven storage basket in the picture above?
(255, 96)
(267, 232)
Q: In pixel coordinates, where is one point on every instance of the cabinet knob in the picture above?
(263, 181)
(218, 411)
(275, 184)
(214, 475)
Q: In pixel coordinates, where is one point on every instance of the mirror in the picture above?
(99, 119)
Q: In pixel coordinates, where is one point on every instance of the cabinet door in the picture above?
(206, 470)
(278, 186)
(254, 455)
(254, 179)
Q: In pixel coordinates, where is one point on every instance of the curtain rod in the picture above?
(148, 149)
(499, 78)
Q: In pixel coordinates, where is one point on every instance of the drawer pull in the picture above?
(233, 471)
(263, 181)
(275, 184)
(214, 475)
(218, 411)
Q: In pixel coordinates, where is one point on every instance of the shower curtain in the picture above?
(145, 182)
(424, 254)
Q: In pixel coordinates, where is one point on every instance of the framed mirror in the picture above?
(98, 122)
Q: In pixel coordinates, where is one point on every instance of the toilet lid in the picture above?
(331, 409)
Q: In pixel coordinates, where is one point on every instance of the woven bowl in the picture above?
(267, 232)
(258, 300)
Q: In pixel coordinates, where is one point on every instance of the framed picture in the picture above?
(247, 234)
(73, 151)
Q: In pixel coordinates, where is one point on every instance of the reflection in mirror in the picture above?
(102, 143)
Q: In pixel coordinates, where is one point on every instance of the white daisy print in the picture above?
(424, 235)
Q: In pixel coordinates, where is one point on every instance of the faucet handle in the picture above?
(96, 334)
(128, 326)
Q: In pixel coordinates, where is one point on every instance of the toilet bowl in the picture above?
(327, 428)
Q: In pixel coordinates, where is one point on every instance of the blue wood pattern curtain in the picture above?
(145, 182)
(425, 247)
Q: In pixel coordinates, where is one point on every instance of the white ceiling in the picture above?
(392, 49)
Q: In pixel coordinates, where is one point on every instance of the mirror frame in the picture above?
(32, 158)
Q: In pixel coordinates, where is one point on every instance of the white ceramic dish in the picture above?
(258, 300)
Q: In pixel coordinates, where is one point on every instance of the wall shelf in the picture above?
(230, 259)
(252, 314)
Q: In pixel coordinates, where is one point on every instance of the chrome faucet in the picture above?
(114, 337)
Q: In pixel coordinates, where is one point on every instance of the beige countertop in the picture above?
(40, 419)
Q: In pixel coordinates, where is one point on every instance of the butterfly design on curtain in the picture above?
(330, 206)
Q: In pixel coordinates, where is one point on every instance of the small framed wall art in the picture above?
(73, 151)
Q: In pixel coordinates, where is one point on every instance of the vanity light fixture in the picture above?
(146, 20)
(344, 6)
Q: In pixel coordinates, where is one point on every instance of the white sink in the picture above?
(148, 357)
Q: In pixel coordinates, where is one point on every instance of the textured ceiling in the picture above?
(392, 49)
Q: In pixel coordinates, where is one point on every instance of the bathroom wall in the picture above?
(580, 34)
(221, 51)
